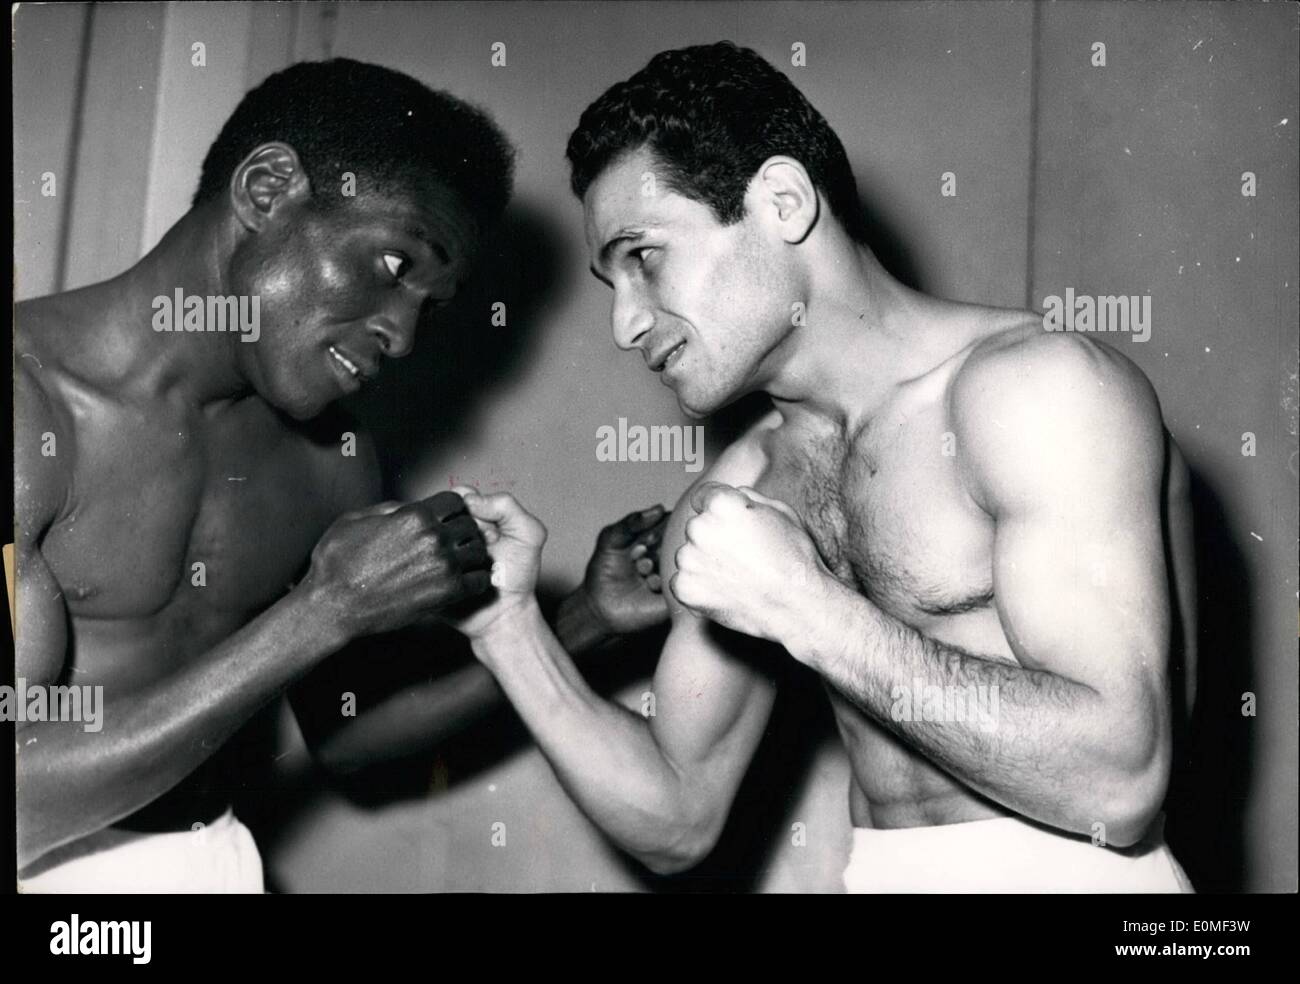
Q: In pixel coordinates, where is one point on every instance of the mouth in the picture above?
(351, 368)
(667, 357)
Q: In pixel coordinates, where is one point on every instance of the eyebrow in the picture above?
(435, 247)
(624, 235)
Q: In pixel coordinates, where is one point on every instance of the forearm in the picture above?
(419, 716)
(605, 756)
(72, 782)
(413, 719)
(1034, 741)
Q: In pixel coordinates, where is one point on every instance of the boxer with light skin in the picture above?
(176, 450)
(941, 493)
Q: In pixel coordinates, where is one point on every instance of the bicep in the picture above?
(1081, 592)
(1066, 452)
(713, 695)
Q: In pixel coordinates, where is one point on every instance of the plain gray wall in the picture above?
(1114, 179)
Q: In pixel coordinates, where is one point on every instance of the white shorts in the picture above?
(219, 857)
(1007, 855)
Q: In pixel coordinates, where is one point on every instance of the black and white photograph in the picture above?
(662, 448)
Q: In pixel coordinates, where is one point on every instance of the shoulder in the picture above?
(44, 447)
(1029, 404)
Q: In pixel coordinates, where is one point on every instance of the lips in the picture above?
(665, 356)
(350, 367)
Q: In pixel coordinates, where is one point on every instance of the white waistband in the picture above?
(217, 857)
(1007, 854)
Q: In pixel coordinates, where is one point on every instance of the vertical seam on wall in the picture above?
(290, 41)
(295, 28)
(328, 24)
(1035, 42)
(74, 150)
(150, 204)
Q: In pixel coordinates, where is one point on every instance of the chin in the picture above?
(296, 406)
(695, 413)
(695, 405)
(301, 414)
(699, 405)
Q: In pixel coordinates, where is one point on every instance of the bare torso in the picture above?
(891, 519)
(178, 524)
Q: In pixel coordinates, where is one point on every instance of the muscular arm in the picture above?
(72, 782)
(1067, 458)
(660, 787)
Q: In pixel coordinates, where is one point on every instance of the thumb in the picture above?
(776, 504)
(706, 492)
(504, 512)
(469, 495)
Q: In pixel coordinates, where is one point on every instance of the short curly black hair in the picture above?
(711, 114)
(385, 127)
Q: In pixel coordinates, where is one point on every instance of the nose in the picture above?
(395, 335)
(631, 318)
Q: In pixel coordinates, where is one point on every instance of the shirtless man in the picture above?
(945, 499)
(172, 487)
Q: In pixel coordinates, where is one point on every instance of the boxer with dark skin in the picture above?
(942, 493)
(141, 455)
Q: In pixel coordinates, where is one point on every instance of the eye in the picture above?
(641, 252)
(397, 264)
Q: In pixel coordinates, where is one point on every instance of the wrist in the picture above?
(503, 633)
(320, 606)
(821, 622)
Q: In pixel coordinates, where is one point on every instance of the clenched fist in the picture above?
(622, 584)
(747, 563)
(381, 568)
(514, 538)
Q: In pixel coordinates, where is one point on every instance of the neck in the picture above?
(864, 335)
(202, 368)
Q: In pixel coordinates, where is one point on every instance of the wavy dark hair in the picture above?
(711, 114)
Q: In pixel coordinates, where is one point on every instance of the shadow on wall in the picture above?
(1208, 788)
(429, 399)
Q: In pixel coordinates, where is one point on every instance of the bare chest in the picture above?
(889, 515)
(181, 519)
